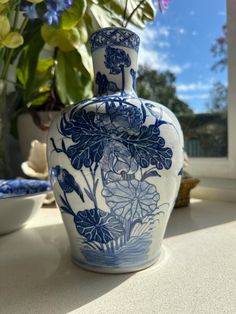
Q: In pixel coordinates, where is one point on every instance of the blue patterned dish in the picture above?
(14, 188)
(20, 200)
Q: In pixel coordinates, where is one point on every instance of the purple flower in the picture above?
(51, 15)
(61, 5)
(163, 5)
(48, 11)
(30, 11)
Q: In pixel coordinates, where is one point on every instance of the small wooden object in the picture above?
(186, 186)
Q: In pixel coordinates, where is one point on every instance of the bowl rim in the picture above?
(4, 196)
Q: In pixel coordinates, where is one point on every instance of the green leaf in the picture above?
(45, 64)
(43, 77)
(38, 101)
(66, 40)
(5, 26)
(104, 16)
(145, 13)
(71, 16)
(83, 31)
(28, 63)
(13, 40)
(86, 61)
(72, 84)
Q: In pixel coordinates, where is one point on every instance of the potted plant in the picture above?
(47, 42)
(59, 65)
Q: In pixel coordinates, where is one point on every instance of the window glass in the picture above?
(183, 60)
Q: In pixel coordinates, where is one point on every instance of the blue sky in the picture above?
(180, 40)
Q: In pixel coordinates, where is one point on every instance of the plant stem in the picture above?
(7, 64)
(23, 25)
(125, 10)
(123, 79)
(16, 17)
(89, 188)
(131, 15)
(94, 187)
(53, 92)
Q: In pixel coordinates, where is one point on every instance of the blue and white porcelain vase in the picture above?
(115, 162)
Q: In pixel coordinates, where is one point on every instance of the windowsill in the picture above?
(216, 189)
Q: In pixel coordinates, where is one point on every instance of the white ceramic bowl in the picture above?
(19, 201)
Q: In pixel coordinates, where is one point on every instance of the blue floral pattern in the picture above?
(104, 85)
(131, 199)
(144, 143)
(97, 225)
(116, 149)
(116, 60)
(117, 160)
(114, 141)
(120, 118)
(133, 75)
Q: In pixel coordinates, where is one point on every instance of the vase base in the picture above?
(123, 269)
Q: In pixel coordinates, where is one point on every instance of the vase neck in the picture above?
(114, 53)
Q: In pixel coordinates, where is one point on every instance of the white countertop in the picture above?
(196, 274)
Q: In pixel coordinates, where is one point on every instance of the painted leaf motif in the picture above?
(91, 133)
(149, 174)
(97, 225)
(89, 138)
(149, 148)
(131, 199)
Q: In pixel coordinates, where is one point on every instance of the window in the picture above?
(224, 167)
(181, 42)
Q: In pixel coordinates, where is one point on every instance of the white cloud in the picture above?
(179, 68)
(163, 44)
(150, 35)
(193, 87)
(159, 61)
(153, 38)
(193, 96)
(181, 31)
(163, 31)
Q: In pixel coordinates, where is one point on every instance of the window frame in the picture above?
(224, 167)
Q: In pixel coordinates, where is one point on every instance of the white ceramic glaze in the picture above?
(16, 211)
(115, 164)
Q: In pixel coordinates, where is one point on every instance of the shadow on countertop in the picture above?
(41, 272)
